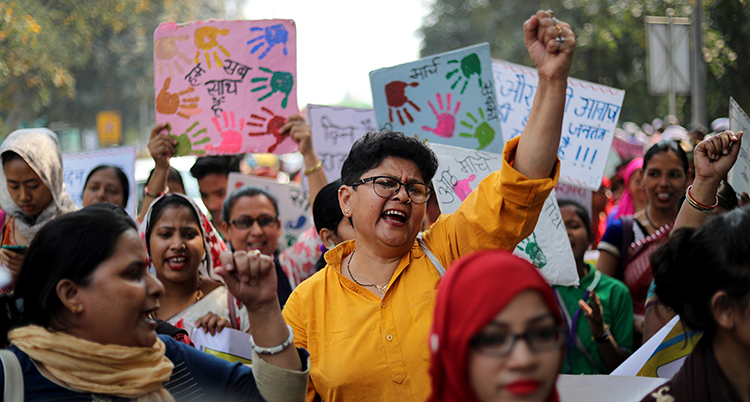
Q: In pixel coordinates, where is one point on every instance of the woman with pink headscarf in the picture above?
(633, 199)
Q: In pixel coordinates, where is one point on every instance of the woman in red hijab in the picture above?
(497, 332)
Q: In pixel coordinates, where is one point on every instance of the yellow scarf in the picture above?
(131, 372)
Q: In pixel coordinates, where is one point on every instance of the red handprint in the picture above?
(231, 140)
(273, 127)
(396, 97)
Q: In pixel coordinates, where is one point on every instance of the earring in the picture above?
(77, 309)
(347, 211)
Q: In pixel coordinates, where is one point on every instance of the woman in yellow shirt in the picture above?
(366, 317)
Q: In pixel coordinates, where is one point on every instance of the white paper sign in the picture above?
(576, 194)
(739, 176)
(334, 130)
(229, 344)
(294, 204)
(548, 248)
(633, 364)
(591, 114)
(597, 388)
(78, 165)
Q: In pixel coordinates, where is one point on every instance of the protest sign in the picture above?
(739, 175)
(627, 150)
(229, 344)
(448, 98)
(591, 114)
(77, 167)
(597, 388)
(334, 130)
(294, 204)
(226, 87)
(548, 248)
(574, 193)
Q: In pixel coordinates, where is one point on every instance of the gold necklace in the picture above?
(198, 296)
(649, 219)
(381, 289)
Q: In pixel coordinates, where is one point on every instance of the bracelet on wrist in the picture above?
(155, 195)
(276, 349)
(604, 338)
(314, 168)
(697, 205)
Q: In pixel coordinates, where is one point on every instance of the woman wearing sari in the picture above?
(32, 191)
(629, 241)
(184, 247)
(371, 307)
(79, 326)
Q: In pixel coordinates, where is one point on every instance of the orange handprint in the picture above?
(205, 39)
(170, 103)
(165, 48)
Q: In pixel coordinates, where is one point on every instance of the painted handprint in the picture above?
(278, 82)
(170, 103)
(531, 248)
(483, 132)
(462, 188)
(205, 39)
(395, 94)
(271, 36)
(446, 118)
(185, 144)
(231, 139)
(273, 127)
(469, 66)
(165, 49)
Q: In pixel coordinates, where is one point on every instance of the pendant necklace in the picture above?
(381, 289)
(198, 296)
(649, 219)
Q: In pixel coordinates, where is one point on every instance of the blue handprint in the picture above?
(273, 35)
(279, 81)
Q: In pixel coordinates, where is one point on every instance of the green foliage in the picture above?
(71, 59)
(611, 47)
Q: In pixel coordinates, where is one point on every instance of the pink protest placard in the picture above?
(226, 87)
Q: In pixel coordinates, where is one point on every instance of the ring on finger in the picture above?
(256, 253)
(550, 13)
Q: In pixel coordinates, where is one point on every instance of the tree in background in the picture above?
(611, 44)
(70, 59)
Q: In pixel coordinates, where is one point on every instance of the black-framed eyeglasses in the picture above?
(500, 344)
(388, 187)
(246, 222)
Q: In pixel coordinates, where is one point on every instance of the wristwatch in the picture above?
(605, 336)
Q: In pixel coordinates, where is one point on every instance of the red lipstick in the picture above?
(523, 387)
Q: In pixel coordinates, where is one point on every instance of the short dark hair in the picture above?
(69, 247)
(172, 175)
(8, 156)
(247, 191)
(219, 164)
(169, 200)
(326, 210)
(581, 212)
(369, 151)
(664, 146)
(698, 262)
(124, 182)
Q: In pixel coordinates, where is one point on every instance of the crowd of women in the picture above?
(378, 307)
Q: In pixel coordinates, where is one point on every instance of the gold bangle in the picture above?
(314, 168)
(155, 195)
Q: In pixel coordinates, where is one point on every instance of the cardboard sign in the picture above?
(226, 87)
(548, 248)
(229, 344)
(294, 204)
(739, 175)
(334, 130)
(447, 98)
(591, 114)
(77, 167)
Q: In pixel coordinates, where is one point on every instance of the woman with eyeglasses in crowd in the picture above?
(371, 307)
(510, 347)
